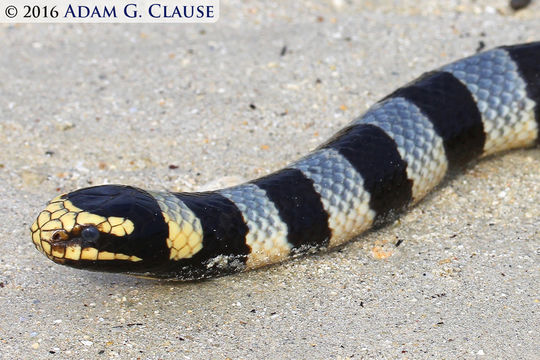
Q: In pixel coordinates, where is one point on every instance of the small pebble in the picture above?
(519, 4)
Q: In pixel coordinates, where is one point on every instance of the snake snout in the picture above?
(66, 233)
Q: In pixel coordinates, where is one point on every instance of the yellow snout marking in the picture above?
(58, 252)
(46, 247)
(75, 252)
(89, 254)
(61, 215)
(185, 240)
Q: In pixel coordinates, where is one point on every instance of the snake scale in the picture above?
(372, 169)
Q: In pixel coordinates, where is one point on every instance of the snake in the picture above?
(364, 176)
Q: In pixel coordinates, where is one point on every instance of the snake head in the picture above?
(104, 228)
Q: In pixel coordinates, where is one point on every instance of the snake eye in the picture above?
(90, 233)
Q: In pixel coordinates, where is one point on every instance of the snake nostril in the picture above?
(60, 235)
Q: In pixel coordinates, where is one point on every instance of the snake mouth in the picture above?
(74, 250)
(59, 249)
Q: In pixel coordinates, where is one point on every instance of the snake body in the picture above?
(375, 167)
